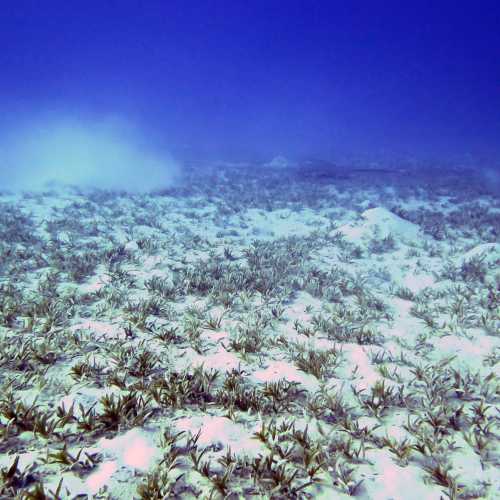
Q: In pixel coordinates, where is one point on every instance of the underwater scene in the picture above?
(249, 250)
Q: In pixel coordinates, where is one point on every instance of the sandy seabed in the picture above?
(252, 333)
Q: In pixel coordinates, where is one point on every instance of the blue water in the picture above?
(91, 93)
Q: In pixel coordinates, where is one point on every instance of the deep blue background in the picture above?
(241, 79)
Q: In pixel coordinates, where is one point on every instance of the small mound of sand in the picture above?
(380, 222)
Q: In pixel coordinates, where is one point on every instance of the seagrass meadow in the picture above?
(252, 332)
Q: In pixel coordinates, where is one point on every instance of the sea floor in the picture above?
(252, 333)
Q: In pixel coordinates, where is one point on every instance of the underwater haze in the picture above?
(59, 151)
(249, 250)
(243, 81)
